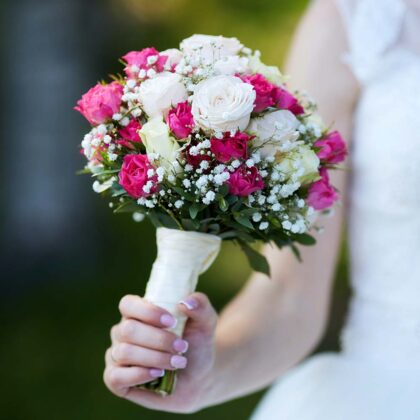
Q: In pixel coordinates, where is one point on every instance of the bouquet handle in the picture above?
(181, 257)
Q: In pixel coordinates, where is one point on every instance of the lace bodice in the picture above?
(384, 213)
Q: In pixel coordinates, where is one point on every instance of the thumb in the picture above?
(202, 316)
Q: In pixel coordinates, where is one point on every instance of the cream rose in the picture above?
(272, 73)
(155, 137)
(206, 49)
(301, 164)
(159, 94)
(223, 103)
(273, 130)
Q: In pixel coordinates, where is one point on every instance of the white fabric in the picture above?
(376, 376)
(181, 257)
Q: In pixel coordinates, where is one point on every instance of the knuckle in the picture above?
(127, 329)
(165, 341)
(121, 352)
(111, 378)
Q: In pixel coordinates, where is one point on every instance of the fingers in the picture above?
(120, 379)
(140, 309)
(144, 335)
(124, 354)
(200, 312)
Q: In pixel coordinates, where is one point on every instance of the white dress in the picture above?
(376, 376)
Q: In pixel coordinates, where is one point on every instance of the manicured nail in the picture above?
(156, 373)
(180, 345)
(168, 320)
(178, 362)
(190, 303)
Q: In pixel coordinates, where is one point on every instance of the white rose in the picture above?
(223, 103)
(206, 49)
(272, 73)
(155, 137)
(174, 57)
(157, 95)
(273, 130)
(301, 164)
(231, 65)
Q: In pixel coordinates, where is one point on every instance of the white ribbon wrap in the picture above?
(181, 257)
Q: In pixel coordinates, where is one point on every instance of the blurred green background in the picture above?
(66, 260)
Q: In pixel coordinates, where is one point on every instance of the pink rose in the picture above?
(244, 181)
(139, 59)
(285, 100)
(133, 176)
(332, 148)
(321, 194)
(267, 93)
(230, 147)
(129, 134)
(100, 103)
(180, 120)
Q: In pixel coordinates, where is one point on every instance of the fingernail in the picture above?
(168, 320)
(180, 345)
(190, 303)
(178, 362)
(156, 373)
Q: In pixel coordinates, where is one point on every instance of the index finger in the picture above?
(135, 307)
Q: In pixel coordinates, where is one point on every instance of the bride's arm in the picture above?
(274, 323)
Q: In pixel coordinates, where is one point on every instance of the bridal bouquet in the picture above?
(209, 144)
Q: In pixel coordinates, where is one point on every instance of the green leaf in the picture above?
(214, 228)
(230, 234)
(128, 207)
(256, 260)
(184, 193)
(194, 209)
(231, 199)
(224, 190)
(296, 251)
(117, 193)
(107, 172)
(244, 221)
(223, 205)
(304, 239)
(189, 224)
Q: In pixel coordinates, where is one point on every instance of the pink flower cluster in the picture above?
(138, 60)
(332, 150)
(180, 120)
(269, 95)
(134, 175)
(100, 103)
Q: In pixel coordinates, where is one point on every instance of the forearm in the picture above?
(274, 323)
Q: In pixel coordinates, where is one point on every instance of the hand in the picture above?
(142, 349)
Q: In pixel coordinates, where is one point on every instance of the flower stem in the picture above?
(164, 385)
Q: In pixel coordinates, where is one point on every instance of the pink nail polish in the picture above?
(168, 320)
(190, 303)
(178, 362)
(180, 345)
(156, 373)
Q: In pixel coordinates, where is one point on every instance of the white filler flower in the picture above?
(223, 103)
